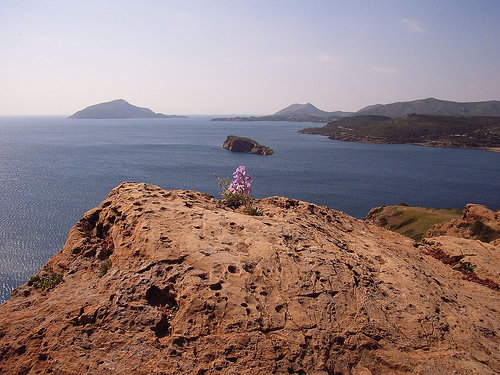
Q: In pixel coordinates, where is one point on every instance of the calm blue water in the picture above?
(53, 170)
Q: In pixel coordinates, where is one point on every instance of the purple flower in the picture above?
(241, 182)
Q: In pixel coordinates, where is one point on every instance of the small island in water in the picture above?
(118, 109)
(243, 144)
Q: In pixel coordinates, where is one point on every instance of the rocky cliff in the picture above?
(173, 282)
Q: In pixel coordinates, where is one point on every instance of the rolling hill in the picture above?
(432, 106)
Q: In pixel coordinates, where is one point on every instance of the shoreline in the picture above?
(424, 144)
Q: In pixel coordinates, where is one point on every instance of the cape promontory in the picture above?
(243, 144)
(174, 282)
(117, 109)
(427, 130)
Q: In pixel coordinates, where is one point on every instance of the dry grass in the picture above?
(412, 222)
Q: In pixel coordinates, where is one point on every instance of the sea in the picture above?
(53, 170)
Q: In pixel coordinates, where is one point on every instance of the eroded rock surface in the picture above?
(192, 287)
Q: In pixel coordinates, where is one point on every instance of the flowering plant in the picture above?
(238, 191)
(241, 182)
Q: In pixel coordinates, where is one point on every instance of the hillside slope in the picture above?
(413, 222)
(117, 109)
(432, 106)
(173, 282)
(428, 130)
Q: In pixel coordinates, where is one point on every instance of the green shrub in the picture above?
(466, 267)
(104, 267)
(45, 282)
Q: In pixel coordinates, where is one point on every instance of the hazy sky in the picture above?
(244, 57)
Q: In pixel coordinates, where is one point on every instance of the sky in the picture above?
(248, 57)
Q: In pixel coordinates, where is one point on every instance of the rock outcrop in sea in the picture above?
(243, 144)
(174, 282)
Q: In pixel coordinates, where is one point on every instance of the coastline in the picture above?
(434, 144)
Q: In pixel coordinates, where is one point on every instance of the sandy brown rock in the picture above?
(484, 257)
(196, 288)
(477, 222)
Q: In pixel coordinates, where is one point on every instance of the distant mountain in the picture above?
(309, 109)
(431, 106)
(117, 109)
(295, 113)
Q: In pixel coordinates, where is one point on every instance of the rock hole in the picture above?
(216, 286)
(179, 341)
(21, 349)
(249, 267)
(88, 222)
(339, 340)
(162, 327)
(232, 269)
(161, 297)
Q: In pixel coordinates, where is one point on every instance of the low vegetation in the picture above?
(466, 268)
(104, 267)
(412, 222)
(46, 281)
(429, 130)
